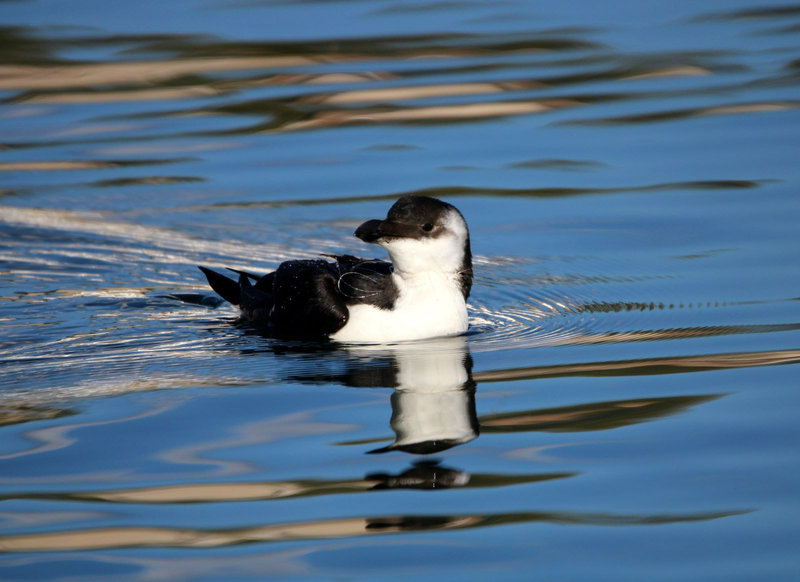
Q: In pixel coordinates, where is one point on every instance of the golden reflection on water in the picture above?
(54, 166)
(422, 475)
(470, 111)
(646, 366)
(367, 76)
(591, 416)
(125, 537)
(219, 492)
(154, 80)
(119, 96)
(417, 92)
(675, 114)
(71, 75)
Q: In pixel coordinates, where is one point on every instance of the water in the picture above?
(624, 406)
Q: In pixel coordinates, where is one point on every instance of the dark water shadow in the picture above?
(455, 191)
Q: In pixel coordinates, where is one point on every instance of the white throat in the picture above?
(444, 254)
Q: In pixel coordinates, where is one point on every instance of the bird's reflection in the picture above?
(426, 422)
(424, 474)
(433, 404)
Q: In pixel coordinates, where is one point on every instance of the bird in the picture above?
(421, 292)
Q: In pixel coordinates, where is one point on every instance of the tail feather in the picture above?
(245, 273)
(226, 288)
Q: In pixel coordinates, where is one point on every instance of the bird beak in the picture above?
(369, 232)
(372, 230)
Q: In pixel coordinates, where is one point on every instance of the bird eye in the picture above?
(427, 227)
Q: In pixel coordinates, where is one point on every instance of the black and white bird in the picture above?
(421, 293)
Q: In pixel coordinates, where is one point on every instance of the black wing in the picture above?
(308, 298)
(366, 281)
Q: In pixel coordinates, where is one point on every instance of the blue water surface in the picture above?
(624, 405)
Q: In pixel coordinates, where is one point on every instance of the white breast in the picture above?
(429, 305)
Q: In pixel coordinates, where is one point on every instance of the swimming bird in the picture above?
(420, 293)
